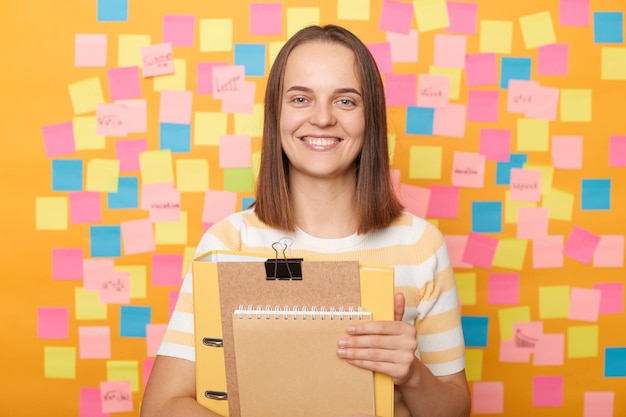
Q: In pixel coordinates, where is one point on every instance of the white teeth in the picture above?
(321, 141)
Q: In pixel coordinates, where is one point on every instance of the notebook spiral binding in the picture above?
(299, 313)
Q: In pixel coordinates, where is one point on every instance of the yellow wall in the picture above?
(37, 42)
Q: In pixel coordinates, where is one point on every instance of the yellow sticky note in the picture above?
(508, 316)
(391, 146)
(496, 36)
(85, 137)
(560, 204)
(474, 364)
(216, 35)
(51, 213)
(274, 48)
(192, 175)
(353, 10)
(250, 124)
(511, 208)
(575, 105)
(124, 371)
(613, 63)
(138, 279)
(466, 287)
(103, 175)
(208, 127)
(156, 166)
(454, 91)
(537, 30)
(301, 17)
(188, 255)
(176, 81)
(533, 135)
(425, 162)
(129, 49)
(86, 95)
(88, 305)
(547, 176)
(256, 163)
(554, 302)
(171, 233)
(431, 14)
(59, 362)
(510, 254)
(582, 341)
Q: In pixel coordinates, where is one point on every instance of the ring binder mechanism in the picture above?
(212, 342)
(285, 268)
(216, 395)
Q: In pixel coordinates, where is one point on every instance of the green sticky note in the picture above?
(239, 179)
(554, 302)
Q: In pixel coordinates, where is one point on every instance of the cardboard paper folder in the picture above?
(223, 281)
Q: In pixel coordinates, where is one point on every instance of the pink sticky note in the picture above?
(550, 350)
(127, 152)
(67, 263)
(154, 335)
(396, 17)
(52, 323)
(584, 304)
(468, 170)
(574, 12)
(175, 107)
(525, 184)
(116, 396)
(483, 106)
(544, 105)
(553, 59)
(235, 151)
(581, 245)
(480, 250)
(97, 271)
(124, 83)
(548, 252)
(404, 48)
(488, 398)
(136, 115)
(382, 55)
(227, 80)
(532, 223)
(450, 121)
(599, 404)
(462, 17)
(400, 90)
(414, 199)
(111, 120)
(85, 207)
(179, 30)
(147, 369)
(526, 335)
(59, 139)
(218, 204)
(167, 269)
(205, 76)
(609, 252)
(266, 18)
(241, 102)
(162, 200)
(90, 403)
(450, 51)
(433, 90)
(157, 60)
(567, 152)
(116, 290)
(617, 151)
(495, 144)
(481, 69)
(456, 248)
(509, 353)
(503, 288)
(90, 50)
(547, 391)
(520, 95)
(137, 236)
(94, 342)
(612, 297)
(443, 202)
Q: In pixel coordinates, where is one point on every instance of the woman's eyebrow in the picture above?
(346, 90)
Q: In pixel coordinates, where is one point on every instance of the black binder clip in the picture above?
(285, 268)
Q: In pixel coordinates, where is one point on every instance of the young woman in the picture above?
(324, 184)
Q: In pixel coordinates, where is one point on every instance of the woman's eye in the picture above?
(345, 102)
(299, 100)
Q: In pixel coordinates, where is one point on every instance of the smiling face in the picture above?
(322, 119)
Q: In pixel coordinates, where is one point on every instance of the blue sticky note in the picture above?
(246, 201)
(419, 120)
(133, 320)
(67, 175)
(112, 11)
(175, 137)
(503, 169)
(615, 362)
(596, 194)
(475, 330)
(252, 57)
(514, 69)
(127, 195)
(105, 241)
(487, 216)
(608, 27)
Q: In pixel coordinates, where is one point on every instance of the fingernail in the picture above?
(341, 352)
(342, 343)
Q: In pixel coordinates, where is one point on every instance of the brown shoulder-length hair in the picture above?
(375, 201)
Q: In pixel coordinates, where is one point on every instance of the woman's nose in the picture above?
(322, 114)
